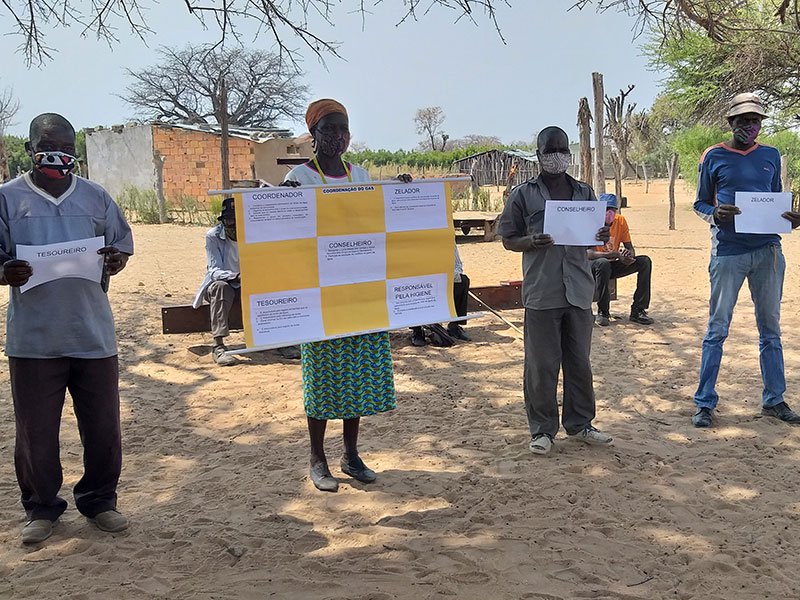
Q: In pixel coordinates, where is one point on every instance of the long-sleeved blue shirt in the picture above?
(725, 171)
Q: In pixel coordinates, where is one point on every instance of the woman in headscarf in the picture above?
(345, 378)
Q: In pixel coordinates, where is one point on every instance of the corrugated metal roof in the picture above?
(253, 134)
(523, 154)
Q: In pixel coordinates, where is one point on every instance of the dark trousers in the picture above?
(605, 270)
(38, 387)
(221, 296)
(558, 339)
(460, 297)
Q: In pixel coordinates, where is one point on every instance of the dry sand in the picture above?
(215, 475)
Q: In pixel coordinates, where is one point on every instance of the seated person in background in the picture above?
(221, 286)
(454, 328)
(611, 262)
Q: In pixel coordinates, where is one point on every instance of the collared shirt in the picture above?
(725, 171)
(559, 276)
(68, 317)
(222, 261)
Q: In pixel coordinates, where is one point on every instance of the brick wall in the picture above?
(193, 164)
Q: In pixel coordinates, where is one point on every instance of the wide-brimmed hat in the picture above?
(744, 103)
(227, 209)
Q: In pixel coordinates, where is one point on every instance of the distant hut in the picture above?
(493, 166)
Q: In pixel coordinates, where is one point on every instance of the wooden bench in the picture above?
(185, 319)
(508, 295)
(469, 219)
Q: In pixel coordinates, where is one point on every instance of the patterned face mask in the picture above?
(556, 163)
(332, 144)
(55, 165)
(747, 135)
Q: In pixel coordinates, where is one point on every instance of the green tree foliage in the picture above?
(691, 143)
(434, 158)
(756, 54)
(18, 160)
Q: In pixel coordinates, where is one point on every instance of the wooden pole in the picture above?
(158, 163)
(673, 175)
(646, 179)
(618, 167)
(599, 107)
(223, 145)
(585, 138)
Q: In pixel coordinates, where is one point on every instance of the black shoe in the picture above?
(358, 470)
(457, 331)
(291, 352)
(417, 336)
(781, 411)
(703, 417)
(603, 319)
(322, 478)
(639, 315)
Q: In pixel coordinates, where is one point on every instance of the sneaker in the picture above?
(222, 359)
(541, 444)
(110, 521)
(37, 531)
(704, 417)
(457, 331)
(781, 411)
(590, 435)
(603, 319)
(639, 315)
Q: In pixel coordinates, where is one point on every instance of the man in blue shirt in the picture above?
(742, 165)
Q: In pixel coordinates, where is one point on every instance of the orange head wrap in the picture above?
(320, 108)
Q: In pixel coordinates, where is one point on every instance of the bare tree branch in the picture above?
(185, 86)
(285, 22)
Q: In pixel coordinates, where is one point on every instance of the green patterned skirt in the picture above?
(349, 377)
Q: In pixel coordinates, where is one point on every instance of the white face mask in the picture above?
(556, 163)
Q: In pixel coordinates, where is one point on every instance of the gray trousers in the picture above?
(220, 296)
(558, 339)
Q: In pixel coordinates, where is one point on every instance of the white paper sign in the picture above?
(345, 259)
(574, 222)
(415, 206)
(761, 212)
(286, 316)
(78, 258)
(279, 213)
(415, 300)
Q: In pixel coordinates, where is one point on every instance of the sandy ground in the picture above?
(215, 476)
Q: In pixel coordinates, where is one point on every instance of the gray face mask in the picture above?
(556, 163)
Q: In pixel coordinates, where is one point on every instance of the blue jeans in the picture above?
(763, 269)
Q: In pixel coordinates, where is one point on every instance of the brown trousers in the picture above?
(38, 386)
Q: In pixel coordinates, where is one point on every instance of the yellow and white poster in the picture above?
(328, 261)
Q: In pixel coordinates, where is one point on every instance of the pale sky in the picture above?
(388, 71)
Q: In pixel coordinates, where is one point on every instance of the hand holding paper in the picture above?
(574, 222)
(762, 212)
(77, 258)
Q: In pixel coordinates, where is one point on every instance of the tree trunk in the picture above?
(158, 163)
(618, 169)
(673, 175)
(599, 106)
(223, 144)
(585, 137)
(646, 179)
